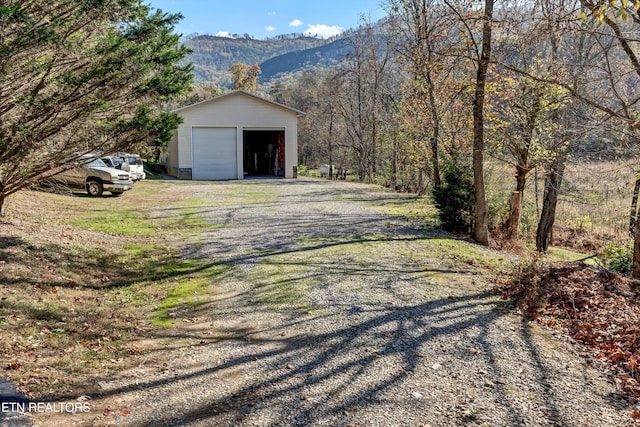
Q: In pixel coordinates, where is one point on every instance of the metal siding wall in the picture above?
(238, 111)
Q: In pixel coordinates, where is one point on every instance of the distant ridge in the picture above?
(278, 57)
(213, 56)
(322, 56)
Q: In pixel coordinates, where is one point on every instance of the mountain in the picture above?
(213, 56)
(326, 55)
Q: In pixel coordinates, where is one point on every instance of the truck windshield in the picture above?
(134, 160)
(97, 163)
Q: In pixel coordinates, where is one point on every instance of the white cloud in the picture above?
(270, 28)
(224, 34)
(295, 23)
(323, 31)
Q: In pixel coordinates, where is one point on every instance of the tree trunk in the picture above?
(394, 164)
(481, 220)
(435, 118)
(3, 197)
(552, 184)
(635, 266)
(374, 150)
(633, 215)
(515, 212)
(634, 228)
(512, 226)
(331, 146)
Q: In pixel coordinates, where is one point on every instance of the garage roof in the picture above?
(236, 93)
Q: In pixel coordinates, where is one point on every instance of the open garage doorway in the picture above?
(263, 152)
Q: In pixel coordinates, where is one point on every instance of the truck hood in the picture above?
(111, 171)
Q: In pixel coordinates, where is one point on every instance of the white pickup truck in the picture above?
(95, 177)
(131, 163)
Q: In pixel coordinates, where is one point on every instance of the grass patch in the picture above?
(188, 292)
(566, 255)
(468, 253)
(281, 282)
(189, 219)
(120, 222)
(83, 279)
(417, 210)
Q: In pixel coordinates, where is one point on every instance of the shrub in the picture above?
(454, 197)
(619, 258)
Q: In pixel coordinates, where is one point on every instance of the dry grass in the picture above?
(74, 299)
(593, 207)
(593, 210)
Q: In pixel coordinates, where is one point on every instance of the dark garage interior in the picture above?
(263, 152)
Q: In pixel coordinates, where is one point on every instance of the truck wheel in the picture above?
(94, 188)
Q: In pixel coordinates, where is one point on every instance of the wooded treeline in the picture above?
(526, 83)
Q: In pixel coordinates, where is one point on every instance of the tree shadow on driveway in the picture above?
(330, 314)
(450, 361)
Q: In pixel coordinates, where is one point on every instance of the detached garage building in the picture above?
(234, 136)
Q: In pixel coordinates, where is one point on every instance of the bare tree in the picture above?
(612, 27)
(363, 95)
(481, 219)
(423, 40)
(524, 111)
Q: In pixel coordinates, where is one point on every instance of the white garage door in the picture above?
(214, 154)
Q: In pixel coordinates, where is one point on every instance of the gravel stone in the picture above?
(335, 313)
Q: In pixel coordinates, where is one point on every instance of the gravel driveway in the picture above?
(330, 312)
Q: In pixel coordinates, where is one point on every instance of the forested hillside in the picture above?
(325, 56)
(213, 56)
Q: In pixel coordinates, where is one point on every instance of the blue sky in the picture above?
(268, 18)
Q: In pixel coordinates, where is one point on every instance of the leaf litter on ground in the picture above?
(597, 308)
